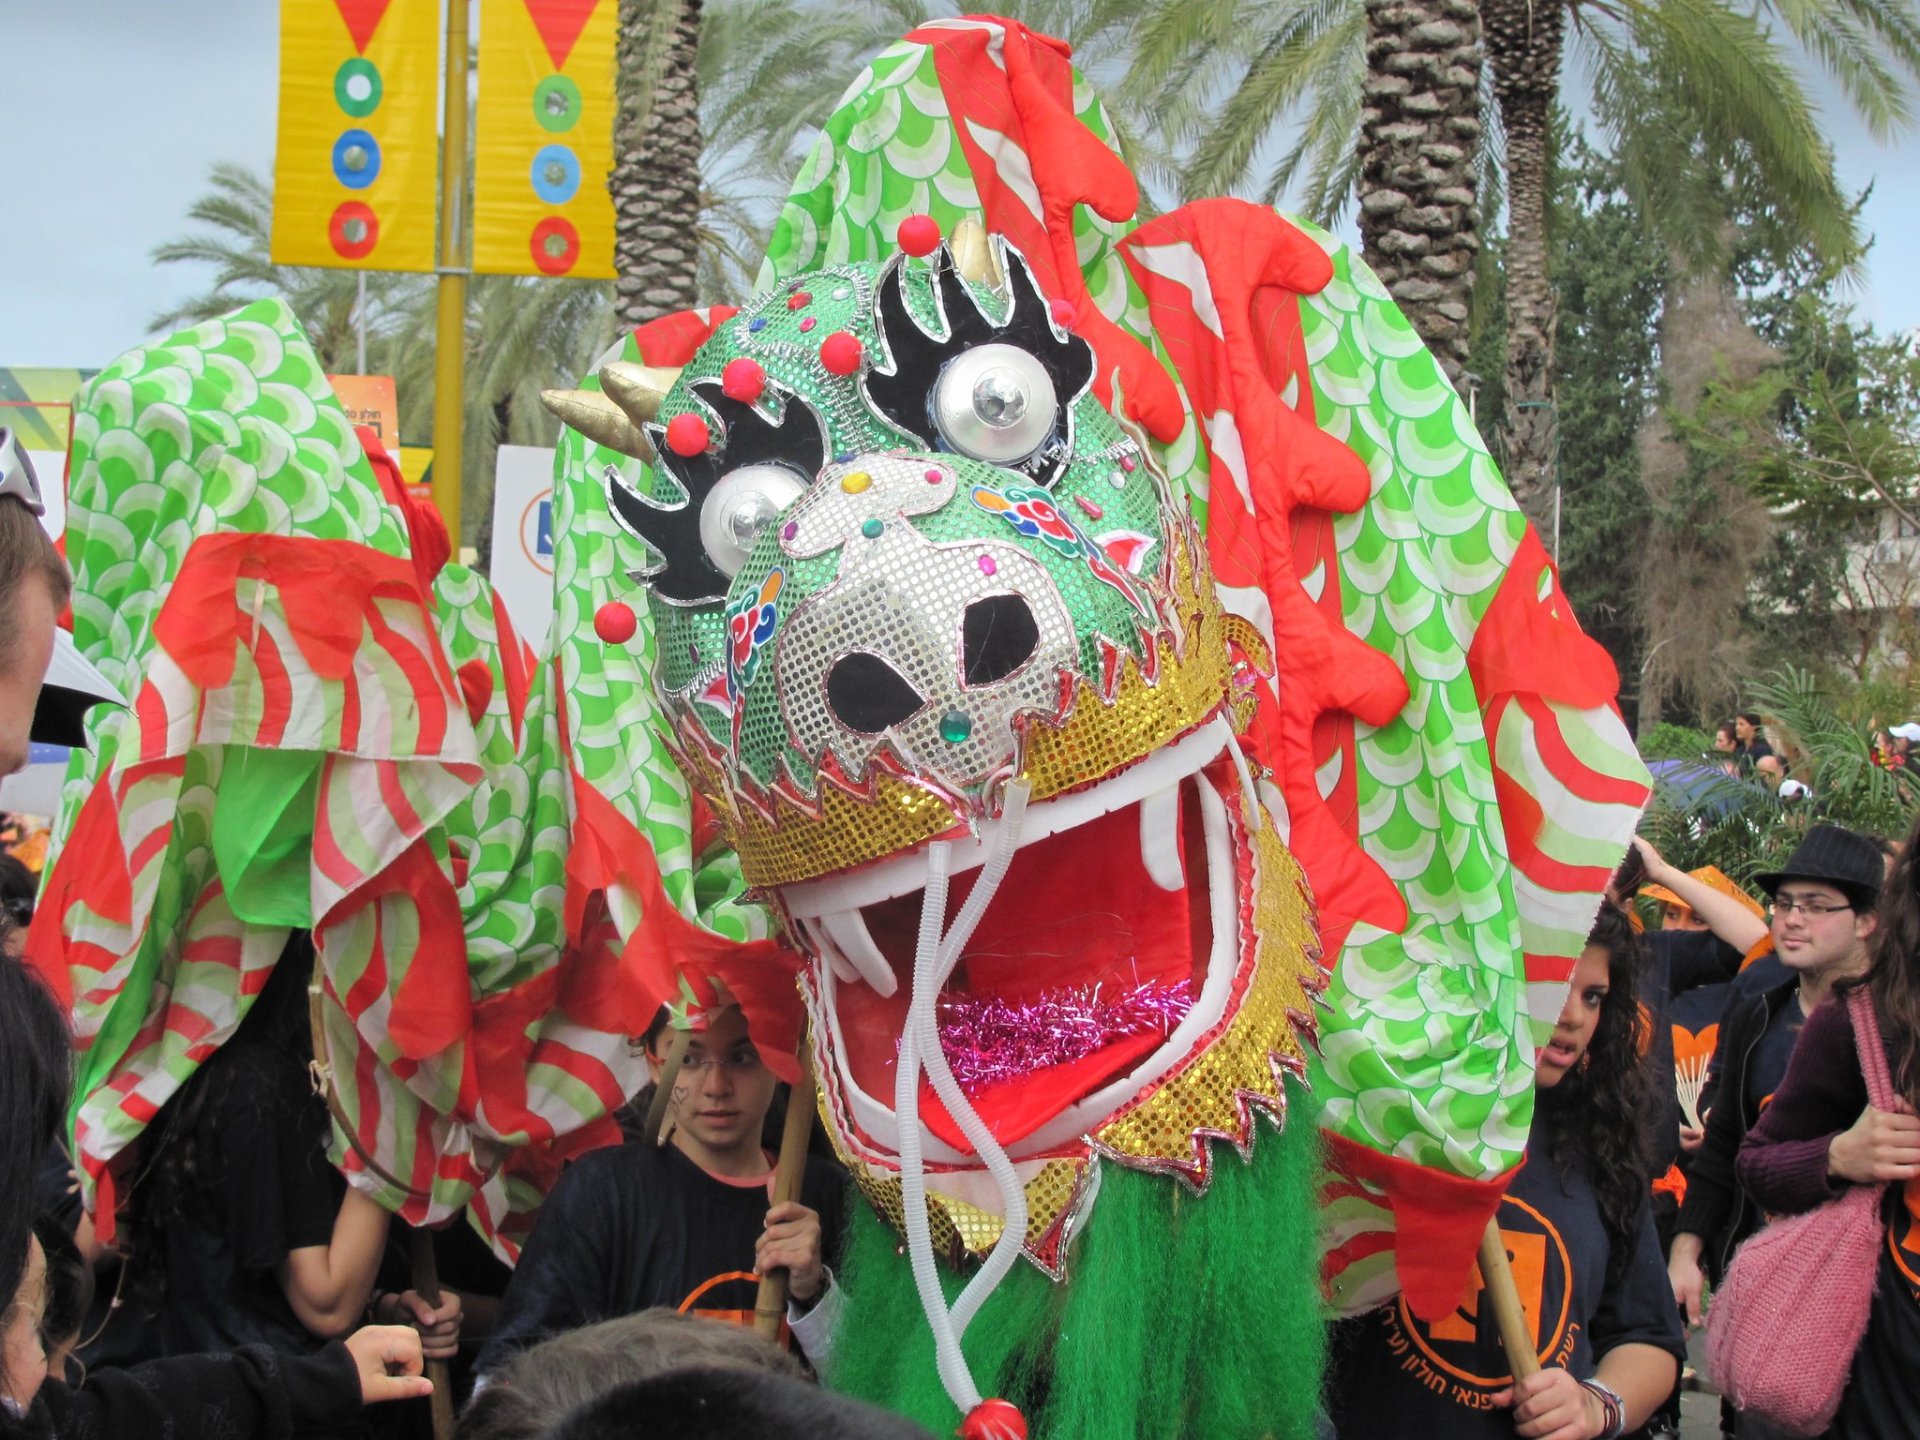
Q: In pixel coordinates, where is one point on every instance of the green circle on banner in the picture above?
(356, 87)
(556, 104)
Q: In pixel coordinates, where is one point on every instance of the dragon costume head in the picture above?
(904, 567)
(1110, 655)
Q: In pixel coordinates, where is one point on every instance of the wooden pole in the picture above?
(450, 328)
(669, 1077)
(1496, 1272)
(770, 1306)
(426, 1280)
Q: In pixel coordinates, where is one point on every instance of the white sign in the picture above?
(50, 469)
(522, 572)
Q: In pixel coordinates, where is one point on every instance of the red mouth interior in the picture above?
(1076, 911)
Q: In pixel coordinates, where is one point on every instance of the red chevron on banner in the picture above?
(560, 23)
(362, 18)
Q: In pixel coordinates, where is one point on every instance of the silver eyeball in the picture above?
(745, 502)
(995, 403)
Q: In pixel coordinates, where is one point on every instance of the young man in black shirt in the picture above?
(684, 1224)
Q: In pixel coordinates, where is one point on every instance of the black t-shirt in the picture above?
(1769, 1065)
(1883, 1393)
(1391, 1374)
(267, 1190)
(636, 1227)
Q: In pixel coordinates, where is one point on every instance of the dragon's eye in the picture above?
(995, 403)
(739, 507)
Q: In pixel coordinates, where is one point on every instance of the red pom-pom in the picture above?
(799, 300)
(994, 1420)
(687, 435)
(743, 380)
(919, 235)
(613, 622)
(841, 352)
(1062, 312)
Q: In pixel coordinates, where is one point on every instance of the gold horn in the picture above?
(972, 253)
(637, 389)
(600, 420)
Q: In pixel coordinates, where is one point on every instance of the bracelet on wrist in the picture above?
(1613, 1410)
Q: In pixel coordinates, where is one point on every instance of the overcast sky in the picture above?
(115, 109)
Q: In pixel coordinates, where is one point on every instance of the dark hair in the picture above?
(1894, 974)
(706, 1404)
(69, 1283)
(1752, 717)
(1598, 1113)
(36, 1075)
(179, 1152)
(18, 887)
(25, 549)
(525, 1396)
(1725, 727)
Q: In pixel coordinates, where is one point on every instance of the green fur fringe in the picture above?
(1181, 1317)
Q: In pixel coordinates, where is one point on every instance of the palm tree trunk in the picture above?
(1419, 139)
(1523, 50)
(656, 166)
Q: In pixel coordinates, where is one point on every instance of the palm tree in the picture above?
(1684, 91)
(656, 167)
(523, 333)
(238, 209)
(1419, 147)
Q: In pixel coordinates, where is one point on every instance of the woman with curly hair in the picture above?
(1820, 1136)
(1585, 1260)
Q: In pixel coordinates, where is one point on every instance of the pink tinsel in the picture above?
(988, 1039)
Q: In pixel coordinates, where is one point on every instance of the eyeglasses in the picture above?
(1806, 907)
(739, 1063)
(16, 473)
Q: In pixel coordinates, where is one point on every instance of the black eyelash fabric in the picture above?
(903, 392)
(744, 436)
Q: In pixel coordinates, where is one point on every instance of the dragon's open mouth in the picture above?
(1109, 948)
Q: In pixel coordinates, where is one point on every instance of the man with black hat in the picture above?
(1823, 912)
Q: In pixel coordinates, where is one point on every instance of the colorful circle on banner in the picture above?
(356, 87)
(536, 531)
(556, 104)
(354, 230)
(555, 245)
(356, 159)
(556, 174)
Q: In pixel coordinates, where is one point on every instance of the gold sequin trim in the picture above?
(1216, 1094)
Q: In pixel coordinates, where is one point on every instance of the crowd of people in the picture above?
(1701, 1079)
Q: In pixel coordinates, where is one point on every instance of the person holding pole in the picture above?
(682, 1221)
(1580, 1247)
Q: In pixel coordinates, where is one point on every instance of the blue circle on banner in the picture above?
(556, 174)
(356, 159)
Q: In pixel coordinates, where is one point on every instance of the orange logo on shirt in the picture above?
(1462, 1346)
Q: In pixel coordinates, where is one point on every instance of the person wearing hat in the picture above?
(1904, 738)
(1823, 916)
(46, 685)
(1823, 1135)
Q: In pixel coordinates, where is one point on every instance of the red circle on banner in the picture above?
(353, 215)
(555, 227)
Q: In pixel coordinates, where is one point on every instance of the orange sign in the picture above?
(370, 400)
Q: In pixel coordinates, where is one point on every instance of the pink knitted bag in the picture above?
(1785, 1323)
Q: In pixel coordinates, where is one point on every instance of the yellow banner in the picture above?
(355, 172)
(543, 139)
